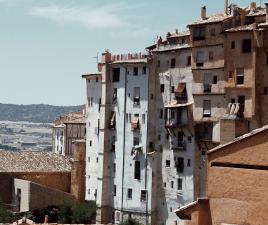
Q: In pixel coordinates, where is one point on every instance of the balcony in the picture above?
(176, 117)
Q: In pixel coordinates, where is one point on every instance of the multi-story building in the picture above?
(66, 130)
(119, 170)
(171, 129)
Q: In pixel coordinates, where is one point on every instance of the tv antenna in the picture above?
(97, 58)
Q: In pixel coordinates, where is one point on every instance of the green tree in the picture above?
(84, 213)
(5, 215)
(66, 212)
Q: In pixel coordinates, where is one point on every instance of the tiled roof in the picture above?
(31, 161)
(241, 28)
(254, 132)
(212, 19)
(180, 34)
(77, 117)
(164, 48)
(257, 12)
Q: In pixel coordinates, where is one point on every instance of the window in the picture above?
(97, 159)
(265, 91)
(180, 165)
(136, 95)
(144, 70)
(143, 118)
(233, 45)
(179, 184)
(135, 124)
(137, 170)
(207, 82)
(97, 79)
(114, 190)
(241, 101)
(215, 79)
(173, 63)
(91, 101)
(159, 137)
(161, 113)
(180, 136)
(143, 196)
(240, 76)
(199, 33)
(212, 32)
(189, 60)
(266, 60)
(211, 56)
(246, 46)
(172, 184)
(116, 75)
(232, 100)
(99, 104)
(167, 163)
(90, 143)
(172, 89)
(113, 144)
(136, 141)
(162, 88)
(200, 58)
(115, 96)
(190, 139)
(206, 108)
(158, 63)
(114, 167)
(167, 136)
(135, 71)
(189, 162)
(129, 193)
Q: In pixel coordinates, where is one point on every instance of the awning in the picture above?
(135, 123)
(180, 88)
(112, 119)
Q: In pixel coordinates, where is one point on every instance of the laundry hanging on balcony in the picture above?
(135, 122)
(136, 150)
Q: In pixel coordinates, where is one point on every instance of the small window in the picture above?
(170, 209)
(97, 79)
(158, 63)
(172, 89)
(233, 45)
(136, 141)
(180, 136)
(190, 139)
(137, 170)
(172, 184)
(167, 136)
(165, 184)
(265, 91)
(97, 159)
(173, 63)
(143, 196)
(143, 118)
(189, 60)
(136, 96)
(241, 101)
(266, 60)
(215, 79)
(167, 163)
(161, 113)
(212, 32)
(116, 74)
(232, 100)
(129, 193)
(135, 71)
(114, 95)
(159, 137)
(240, 76)
(90, 143)
(189, 162)
(162, 88)
(246, 45)
(199, 33)
(113, 143)
(200, 59)
(144, 70)
(114, 190)
(211, 56)
(179, 184)
(180, 165)
(114, 167)
(99, 104)
(206, 108)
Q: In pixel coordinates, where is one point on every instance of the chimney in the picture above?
(266, 5)
(46, 219)
(226, 5)
(203, 12)
(252, 6)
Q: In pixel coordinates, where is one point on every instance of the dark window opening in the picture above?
(206, 108)
(144, 70)
(161, 114)
(188, 162)
(137, 172)
(265, 91)
(233, 45)
(116, 75)
(240, 76)
(215, 79)
(180, 165)
(246, 45)
(114, 190)
(97, 79)
(167, 163)
(199, 33)
(189, 60)
(172, 184)
(143, 196)
(173, 63)
(179, 184)
(162, 88)
(129, 193)
(135, 71)
(210, 56)
(158, 63)
(241, 101)
(172, 89)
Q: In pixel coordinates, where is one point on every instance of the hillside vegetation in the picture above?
(39, 113)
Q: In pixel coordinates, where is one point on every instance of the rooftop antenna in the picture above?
(97, 58)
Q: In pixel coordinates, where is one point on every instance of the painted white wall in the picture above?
(58, 140)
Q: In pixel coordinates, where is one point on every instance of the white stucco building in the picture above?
(119, 170)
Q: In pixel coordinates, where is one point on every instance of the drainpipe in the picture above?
(124, 145)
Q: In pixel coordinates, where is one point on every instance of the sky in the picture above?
(46, 45)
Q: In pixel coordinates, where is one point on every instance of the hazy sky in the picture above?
(45, 45)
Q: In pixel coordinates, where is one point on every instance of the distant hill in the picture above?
(39, 113)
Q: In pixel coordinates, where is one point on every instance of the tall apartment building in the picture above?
(171, 125)
(119, 169)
